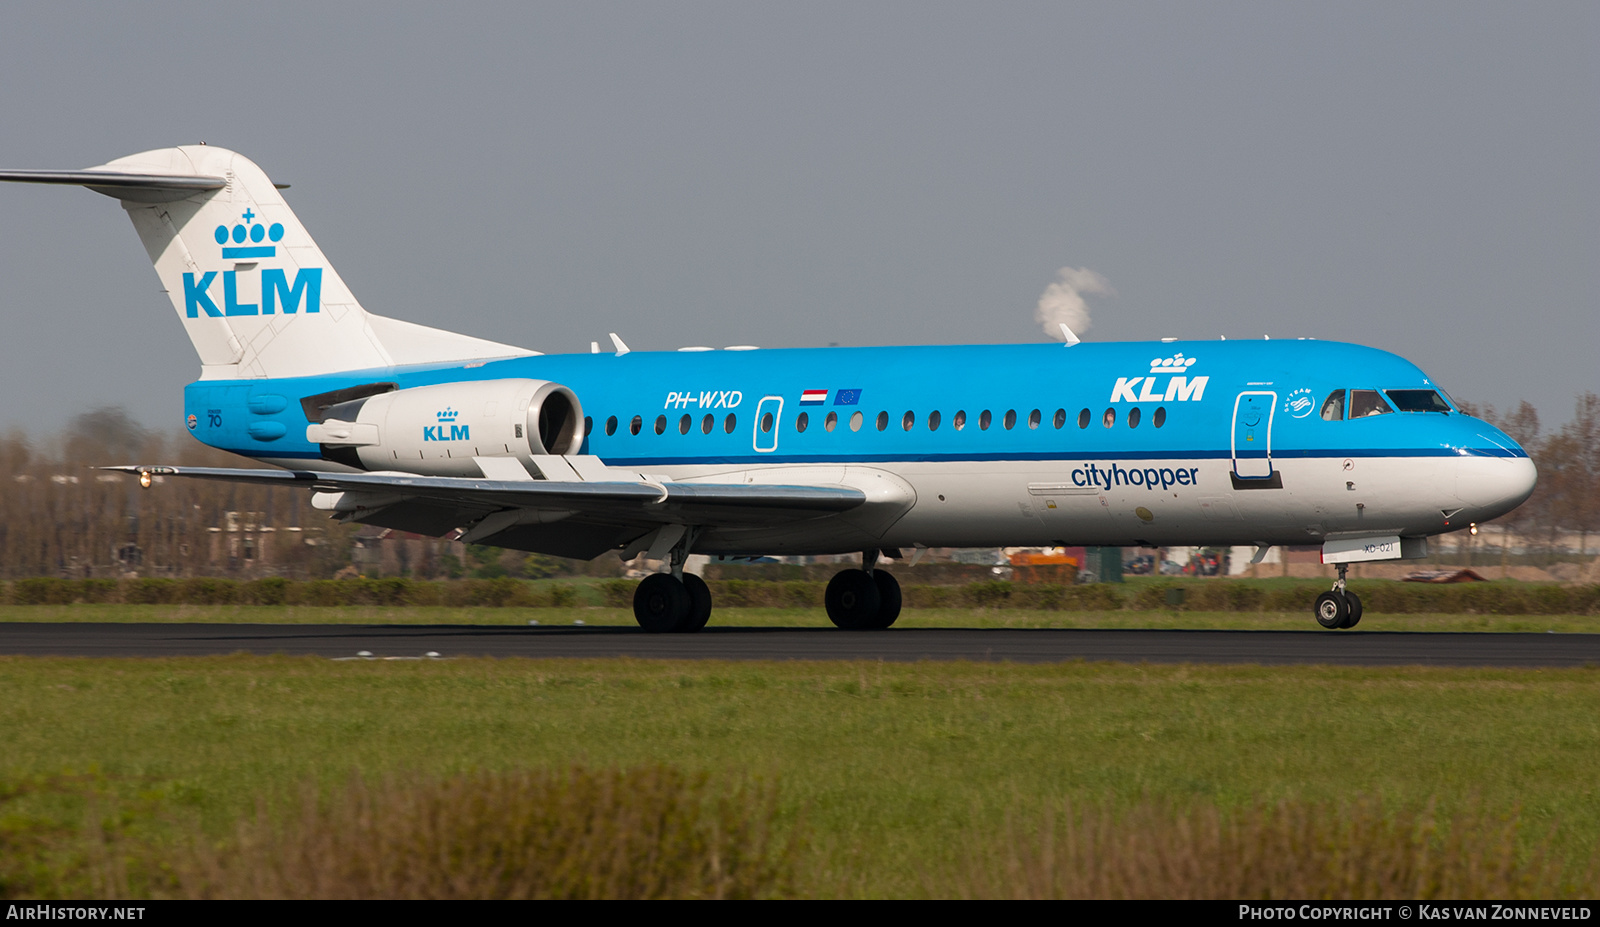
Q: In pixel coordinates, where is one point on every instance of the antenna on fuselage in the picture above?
(1067, 334)
(621, 348)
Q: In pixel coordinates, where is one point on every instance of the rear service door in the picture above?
(1252, 434)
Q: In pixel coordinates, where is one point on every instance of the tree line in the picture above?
(60, 516)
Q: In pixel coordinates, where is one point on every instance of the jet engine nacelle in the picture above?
(437, 430)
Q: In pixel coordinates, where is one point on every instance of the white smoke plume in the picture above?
(1062, 301)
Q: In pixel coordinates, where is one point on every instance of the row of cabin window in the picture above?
(908, 421)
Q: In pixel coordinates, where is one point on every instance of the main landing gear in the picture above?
(1340, 608)
(864, 599)
(674, 602)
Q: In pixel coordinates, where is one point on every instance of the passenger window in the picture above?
(766, 422)
(907, 420)
(983, 420)
(1110, 418)
(933, 421)
(831, 422)
(855, 421)
(1011, 419)
(960, 421)
(801, 421)
(661, 424)
(1333, 406)
(883, 420)
(635, 425)
(1061, 418)
(1133, 417)
(1417, 400)
(588, 426)
(685, 423)
(1365, 402)
(1033, 419)
(611, 426)
(1083, 418)
(1160, 418)
(730, 423)
(708, 423)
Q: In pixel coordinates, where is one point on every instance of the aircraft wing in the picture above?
(567, 518)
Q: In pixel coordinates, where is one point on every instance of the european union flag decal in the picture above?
(846, 397)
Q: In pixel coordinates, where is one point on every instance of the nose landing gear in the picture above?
(864, 599)
(1339, 608)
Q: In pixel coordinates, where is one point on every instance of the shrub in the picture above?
(320, 592)
(151, 591)
(618, 593)
(993, 594)
(500, 592)
(44, 590)
(274, 590)
(654, 832)
(1151, 597)
(208, 591)
(1290, 850)
(1095, 597)
(98, 590)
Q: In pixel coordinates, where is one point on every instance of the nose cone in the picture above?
(1495, 485)
(1493, 474)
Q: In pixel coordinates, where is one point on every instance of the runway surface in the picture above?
(727, 643)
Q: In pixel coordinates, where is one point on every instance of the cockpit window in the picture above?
(1417, 400)
(1333, 406)
(1365, 402)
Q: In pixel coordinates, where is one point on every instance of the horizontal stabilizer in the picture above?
(143, 188)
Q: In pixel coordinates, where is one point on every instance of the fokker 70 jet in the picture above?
(868, 450)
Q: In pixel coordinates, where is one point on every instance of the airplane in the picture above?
(742, 452)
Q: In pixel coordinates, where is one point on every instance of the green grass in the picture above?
(892, 767)
(788, 617)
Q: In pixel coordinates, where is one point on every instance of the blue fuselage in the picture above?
(1170, 441)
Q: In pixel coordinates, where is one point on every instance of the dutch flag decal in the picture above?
(813, 397)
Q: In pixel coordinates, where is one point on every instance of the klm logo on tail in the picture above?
(447, 432)
(247, 241)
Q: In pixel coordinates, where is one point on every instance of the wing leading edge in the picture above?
(566, 518)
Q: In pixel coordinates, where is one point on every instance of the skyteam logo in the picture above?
(246, 241)
(1155, 388)
(1299, 403)
(446, 430)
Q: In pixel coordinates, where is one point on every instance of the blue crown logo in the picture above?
(448, 415)
(249, 231)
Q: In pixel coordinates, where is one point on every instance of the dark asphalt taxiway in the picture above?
(728, 643)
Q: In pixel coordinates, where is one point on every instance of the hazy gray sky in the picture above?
(1420, 177)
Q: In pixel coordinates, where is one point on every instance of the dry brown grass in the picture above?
(651, 832)
(1289, 850)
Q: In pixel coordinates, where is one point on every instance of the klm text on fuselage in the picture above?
(1178, 389)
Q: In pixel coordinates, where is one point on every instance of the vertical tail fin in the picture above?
(252, 289)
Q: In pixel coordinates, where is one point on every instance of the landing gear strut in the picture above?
(1339, 608)
(674, 601)
(864, 599)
